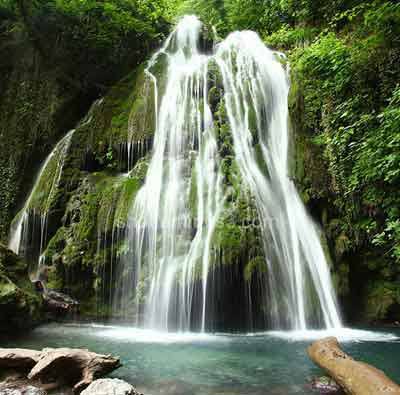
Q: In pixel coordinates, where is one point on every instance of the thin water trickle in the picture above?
(41, 196)
(20, 228)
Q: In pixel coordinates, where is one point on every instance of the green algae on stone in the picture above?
(20, 305)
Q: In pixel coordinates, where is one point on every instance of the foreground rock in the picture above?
(109, 386)
(356, 378)
(326, 385)
(18, 358)
(20, 389)
(60, 366)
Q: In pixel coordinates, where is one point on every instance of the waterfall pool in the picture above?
(216, 364)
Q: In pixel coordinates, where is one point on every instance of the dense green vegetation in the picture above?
(20, 305)
(56, 57)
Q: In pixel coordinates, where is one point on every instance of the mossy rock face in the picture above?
(123, 120)
(47, 85)
(308, 167)
(237, 238)
(90, 202)
(91, 236)
(381, 298)
(20, 305)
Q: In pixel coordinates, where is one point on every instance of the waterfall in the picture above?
(42, 194)
(183, 172)
(170, 233)
(45, 185)
(254, 80)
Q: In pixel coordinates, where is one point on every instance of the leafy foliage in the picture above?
(352, 104)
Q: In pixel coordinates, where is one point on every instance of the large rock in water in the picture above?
(108, 387)
(356, 378)
(76, 368)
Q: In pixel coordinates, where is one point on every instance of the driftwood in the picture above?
(356, 378)
(75, 367)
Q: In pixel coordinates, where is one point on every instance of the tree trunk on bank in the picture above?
(356, 378)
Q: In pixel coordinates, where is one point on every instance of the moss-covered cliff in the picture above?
(20, 304)
(56, 58)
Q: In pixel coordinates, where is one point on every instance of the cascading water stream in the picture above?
(42, 194)
(19, 230)
(161, 229)
(255, 82)
(171, 252)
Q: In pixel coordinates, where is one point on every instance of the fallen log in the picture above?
(355, 377)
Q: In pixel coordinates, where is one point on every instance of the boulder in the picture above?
(78, 367)
(325, 385)
(6, 389)
(18, 358)
(58, 302)
(109, 386)
(53, 367)
(356, 378)
(16, 384)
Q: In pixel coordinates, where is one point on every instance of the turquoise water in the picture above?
(194, 364)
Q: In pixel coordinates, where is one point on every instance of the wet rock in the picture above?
(356, 378)
(52, 368)
(21, 390)
(58, 302)
(54, 301)
(77, 367)
(325, 385)
(18, 358)
(110, 386)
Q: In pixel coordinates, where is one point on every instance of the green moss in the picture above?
(380, 297)
(341, 279)
(125, 115)
(255, 265)
(342, 245)
(20, 305)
